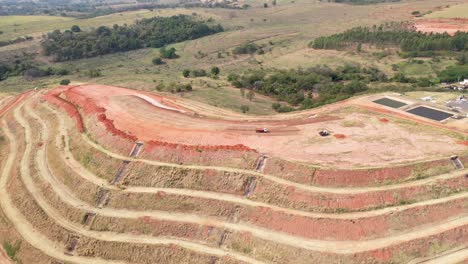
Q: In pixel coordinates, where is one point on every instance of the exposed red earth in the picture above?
(161, 123)
(442, 25)
(235, 198)
(10, 105)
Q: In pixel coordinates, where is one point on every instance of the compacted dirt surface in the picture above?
(359, 136)
(442, 25)
(100, 174)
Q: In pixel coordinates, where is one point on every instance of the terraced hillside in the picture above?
(100, 174)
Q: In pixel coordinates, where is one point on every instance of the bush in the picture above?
(157, 61)
(215, 70)
(247, 48)
(168, 53)
(198, 73)
(93, 73)
(65, 82)
(186, 73)
(75, 28)
(182, 88)
(244, 108)
(11, 250)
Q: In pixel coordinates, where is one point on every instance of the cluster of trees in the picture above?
(28, 69)
(16, 40)
(247, 48)
(200, 72)
(395, 34)
(307, 88)
(153, 32)
(168, 53)
(454, 73)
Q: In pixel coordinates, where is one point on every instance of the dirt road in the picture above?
(21, 224)
(66, 196)
(80, 170)
(340, 247)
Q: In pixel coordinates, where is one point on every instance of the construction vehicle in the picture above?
(324, 133)
(262, 130)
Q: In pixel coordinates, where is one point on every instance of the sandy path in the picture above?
(453, 256)
(21, 225)
(67, 197)
(14, 102)
(80, 170)
(340, 247)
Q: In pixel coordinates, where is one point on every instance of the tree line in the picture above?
(395, 34)
(153, 32)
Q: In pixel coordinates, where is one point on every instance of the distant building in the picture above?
(463, 85)
(459, 105)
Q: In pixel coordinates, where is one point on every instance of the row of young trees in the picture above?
(153, 32)
(395, 34)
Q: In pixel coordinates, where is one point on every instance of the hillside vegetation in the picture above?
(154, 32)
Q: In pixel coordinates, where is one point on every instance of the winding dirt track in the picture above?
(55, 250)
(21, 224)
(68, 197)
(80, 170)
(16, 101)
(340, 247)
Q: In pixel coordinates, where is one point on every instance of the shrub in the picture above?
(168, 53)
(215, 70)
(244, 108)
(186, 73)
(157, 61)
(11, 250)
(198, 73)
(93, 73)
(247, 48)
(65, 82)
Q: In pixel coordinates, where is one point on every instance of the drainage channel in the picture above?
(261, 163)
(457, 163)
(249, 186)
(102, 199)
(71, 244)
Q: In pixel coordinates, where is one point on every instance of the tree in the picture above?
(186, 73)
(75, 28)
(65, 82)
(273, 2)
(251, 95)
(215, 70)
(155, 32)
(158, 61)
(168, 53)
(244, 108)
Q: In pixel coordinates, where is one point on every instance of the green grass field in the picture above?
(285, 30)
(17, 26)
(455, 11)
